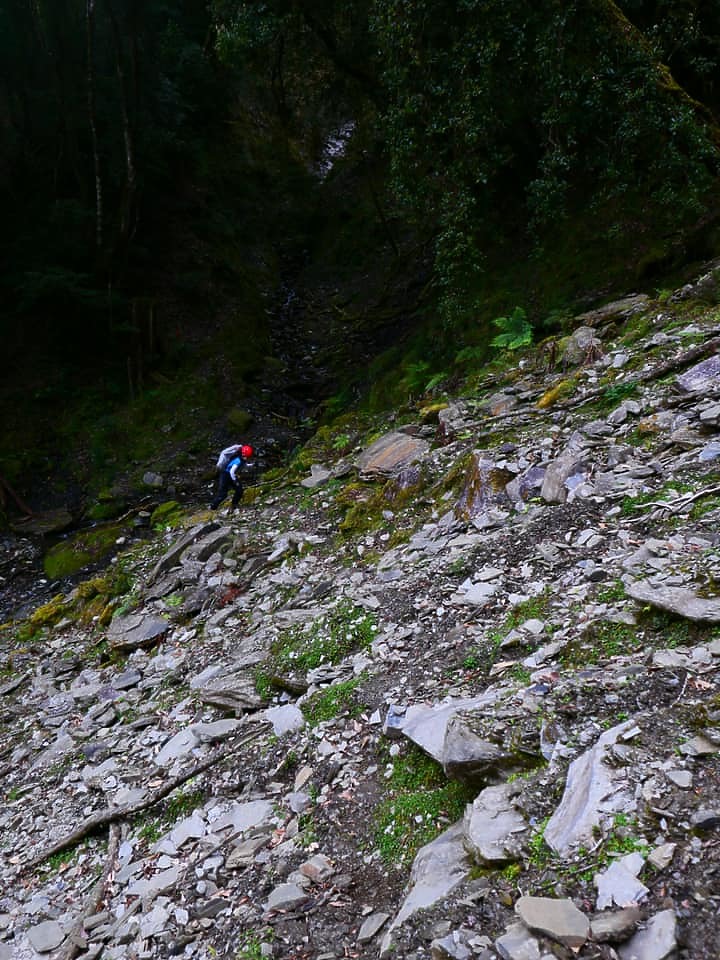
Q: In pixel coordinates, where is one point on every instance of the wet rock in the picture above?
(484, 500)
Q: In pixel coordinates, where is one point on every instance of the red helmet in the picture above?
(246, 451)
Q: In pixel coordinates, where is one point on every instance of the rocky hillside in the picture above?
(447, 687)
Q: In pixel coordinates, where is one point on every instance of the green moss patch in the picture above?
(80, 551)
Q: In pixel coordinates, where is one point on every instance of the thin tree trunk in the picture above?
(90, 37)
(128, 204)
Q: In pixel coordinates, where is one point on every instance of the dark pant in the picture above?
(224, 484)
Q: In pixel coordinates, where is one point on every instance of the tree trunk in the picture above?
(90, 79)
(127, 209)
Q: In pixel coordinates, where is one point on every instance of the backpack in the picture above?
(227, 455)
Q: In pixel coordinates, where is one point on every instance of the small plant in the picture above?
(516, 331)
(420, 804)
(327, 704)
(617, 392)
(183, 803)
(251, 945)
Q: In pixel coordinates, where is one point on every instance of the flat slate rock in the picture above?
(135, 631)
(676, 600)
(558, 919)
(391, 454)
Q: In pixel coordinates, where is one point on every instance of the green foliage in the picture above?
(508, 115)
(617, 392)
(329, 703)
(251, 945)
(421, 803)
(516, 331)
(327, 640)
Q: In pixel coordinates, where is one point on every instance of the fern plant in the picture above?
(516, 331)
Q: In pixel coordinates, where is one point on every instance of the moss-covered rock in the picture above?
(80, 551)
(557, 393)
(49, 613)
(168, 514)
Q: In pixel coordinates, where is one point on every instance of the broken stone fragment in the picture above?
(437, 869)
(703, 378)
(676, 600)
(46, 936)
(390, 454)
(483, 491)
(517, 943)
(560, 920)
(656, 941)
(494, 828)
(371, 926)
(593, 790)
(615, 926)
(618, 885)
(135, 631)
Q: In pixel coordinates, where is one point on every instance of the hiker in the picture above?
(231, 463)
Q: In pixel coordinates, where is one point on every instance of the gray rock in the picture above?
(466, 756)
(493, 826)
(615, 926)
(245, 851)
(286, 896)
(593, 790)
(452, 947)
(703, 378)
(675, 600)
(662, 856)
(46, 936)
(558, 919)
(618, 885)
(517, 943)
(427, 726)
(243, 816)
(172, 556)
(285, 719)
(438, 868)
(136, 630)
(371, 926)
(658, 941)
(319, 474)
(180, 745)
(571, 461)
(390, 454)
(582, 346)
(150, 887)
